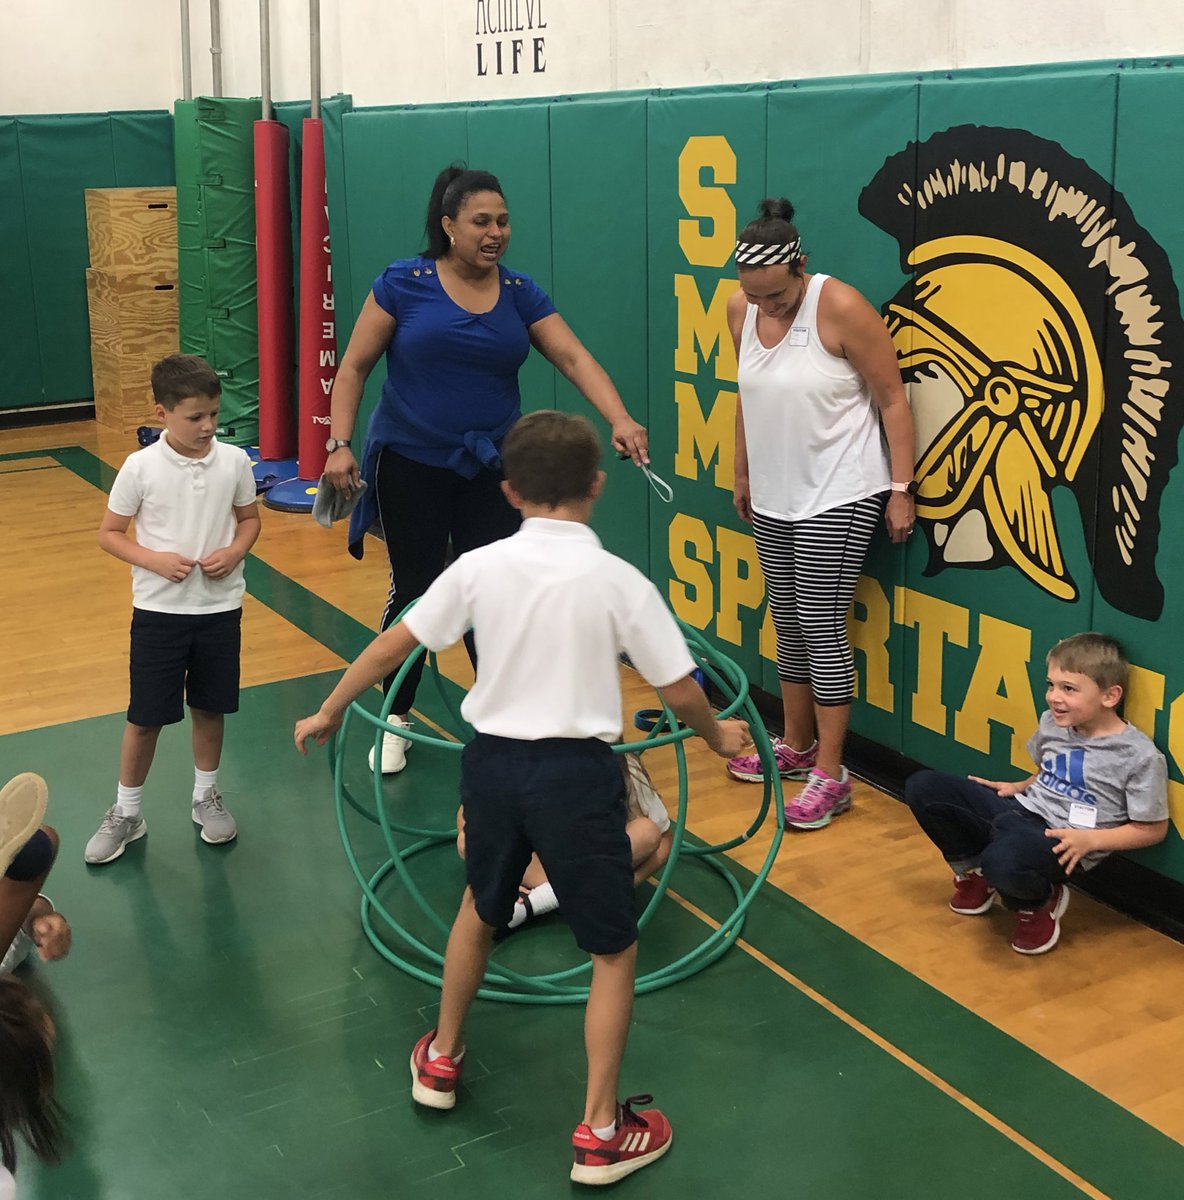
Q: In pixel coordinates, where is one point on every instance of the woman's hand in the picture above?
(630, 438)
(341, 470)
(900, 516)
(742, 499)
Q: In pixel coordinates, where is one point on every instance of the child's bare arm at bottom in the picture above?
(688, 702)
(384, 655)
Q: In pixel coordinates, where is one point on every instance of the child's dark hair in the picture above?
(181, 376)
(774, 227)
(28, 1106)
(453, 186)
(1095, 655)
(552, 458)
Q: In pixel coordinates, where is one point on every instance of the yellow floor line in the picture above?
(1013, 1135)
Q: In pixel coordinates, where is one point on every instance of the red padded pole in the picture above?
(273, 255)
(318, 329)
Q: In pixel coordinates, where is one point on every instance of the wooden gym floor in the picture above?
(227, 1031)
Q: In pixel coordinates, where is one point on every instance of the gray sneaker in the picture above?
(113, 836)
(217, 825)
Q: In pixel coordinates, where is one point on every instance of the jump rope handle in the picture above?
(662, 489)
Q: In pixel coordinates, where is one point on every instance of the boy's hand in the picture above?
(320, 727)
(51, 935)
(731, 738)
(219, 564)
(1072, 846)
(1002, 789)
(173, 567)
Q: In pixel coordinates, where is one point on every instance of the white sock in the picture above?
(539, 901)
(204, 782)
(127, 800)
(606, 1133)
(543, 899)
(434, 1054)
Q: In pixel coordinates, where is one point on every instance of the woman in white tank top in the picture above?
(823, 435)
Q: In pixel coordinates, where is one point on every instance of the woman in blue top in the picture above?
(456, 327)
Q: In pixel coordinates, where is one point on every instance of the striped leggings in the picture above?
(811, 568)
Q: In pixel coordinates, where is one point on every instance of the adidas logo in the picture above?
(636, 1143)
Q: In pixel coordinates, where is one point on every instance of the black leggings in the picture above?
(422, 510)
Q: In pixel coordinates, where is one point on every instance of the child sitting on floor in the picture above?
(1100, 786)
(647, 825)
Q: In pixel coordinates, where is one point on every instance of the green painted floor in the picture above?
(227, 1032)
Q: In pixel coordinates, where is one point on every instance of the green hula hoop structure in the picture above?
(412, 954)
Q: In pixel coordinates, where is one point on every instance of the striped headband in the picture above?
(762, 254)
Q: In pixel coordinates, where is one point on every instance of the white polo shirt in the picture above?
(551, 610)
(185, 505)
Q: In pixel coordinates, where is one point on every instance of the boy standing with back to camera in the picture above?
(551, 611)
(193, 501)
(1100, 786)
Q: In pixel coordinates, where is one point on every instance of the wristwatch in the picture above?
(911, 488)
(336, 444)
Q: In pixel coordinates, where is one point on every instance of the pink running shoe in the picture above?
(791, 763)
(819, 802)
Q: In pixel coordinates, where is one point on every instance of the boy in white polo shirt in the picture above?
(193, 500)
(551, 611)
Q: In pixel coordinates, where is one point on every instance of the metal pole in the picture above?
(314, 57)
(216, 44)
(186, 56)
(265, 57)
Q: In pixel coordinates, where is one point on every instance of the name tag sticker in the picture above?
(1083, 816)
(799, 335)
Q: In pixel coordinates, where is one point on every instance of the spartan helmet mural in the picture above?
(1039, 337)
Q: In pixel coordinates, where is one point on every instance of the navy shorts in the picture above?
(179, 657)
(563, 799)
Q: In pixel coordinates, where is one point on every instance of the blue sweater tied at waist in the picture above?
(389, 425)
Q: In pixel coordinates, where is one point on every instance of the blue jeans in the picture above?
(973, 826)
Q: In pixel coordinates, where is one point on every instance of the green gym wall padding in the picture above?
(512, 141)
(825, 142)
(333, 110)
(703, 496)
(390, 159)
(46, 164)
(599, 276)
(1152, 182)
(21, 380)
(216, 251)
(631, 192)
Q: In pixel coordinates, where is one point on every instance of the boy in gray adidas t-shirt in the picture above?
(1100, 786)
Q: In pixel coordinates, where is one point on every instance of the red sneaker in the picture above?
(641, 1137)
(1037, 929)
(972, 894)
(433, 1082)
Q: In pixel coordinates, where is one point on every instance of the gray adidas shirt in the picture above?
(1121, 776)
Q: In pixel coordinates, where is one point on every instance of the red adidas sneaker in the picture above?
(641, 1137)
(433, 1082)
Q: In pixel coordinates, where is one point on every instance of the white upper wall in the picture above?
(83, 56)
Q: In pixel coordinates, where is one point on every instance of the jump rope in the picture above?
(647, 719)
